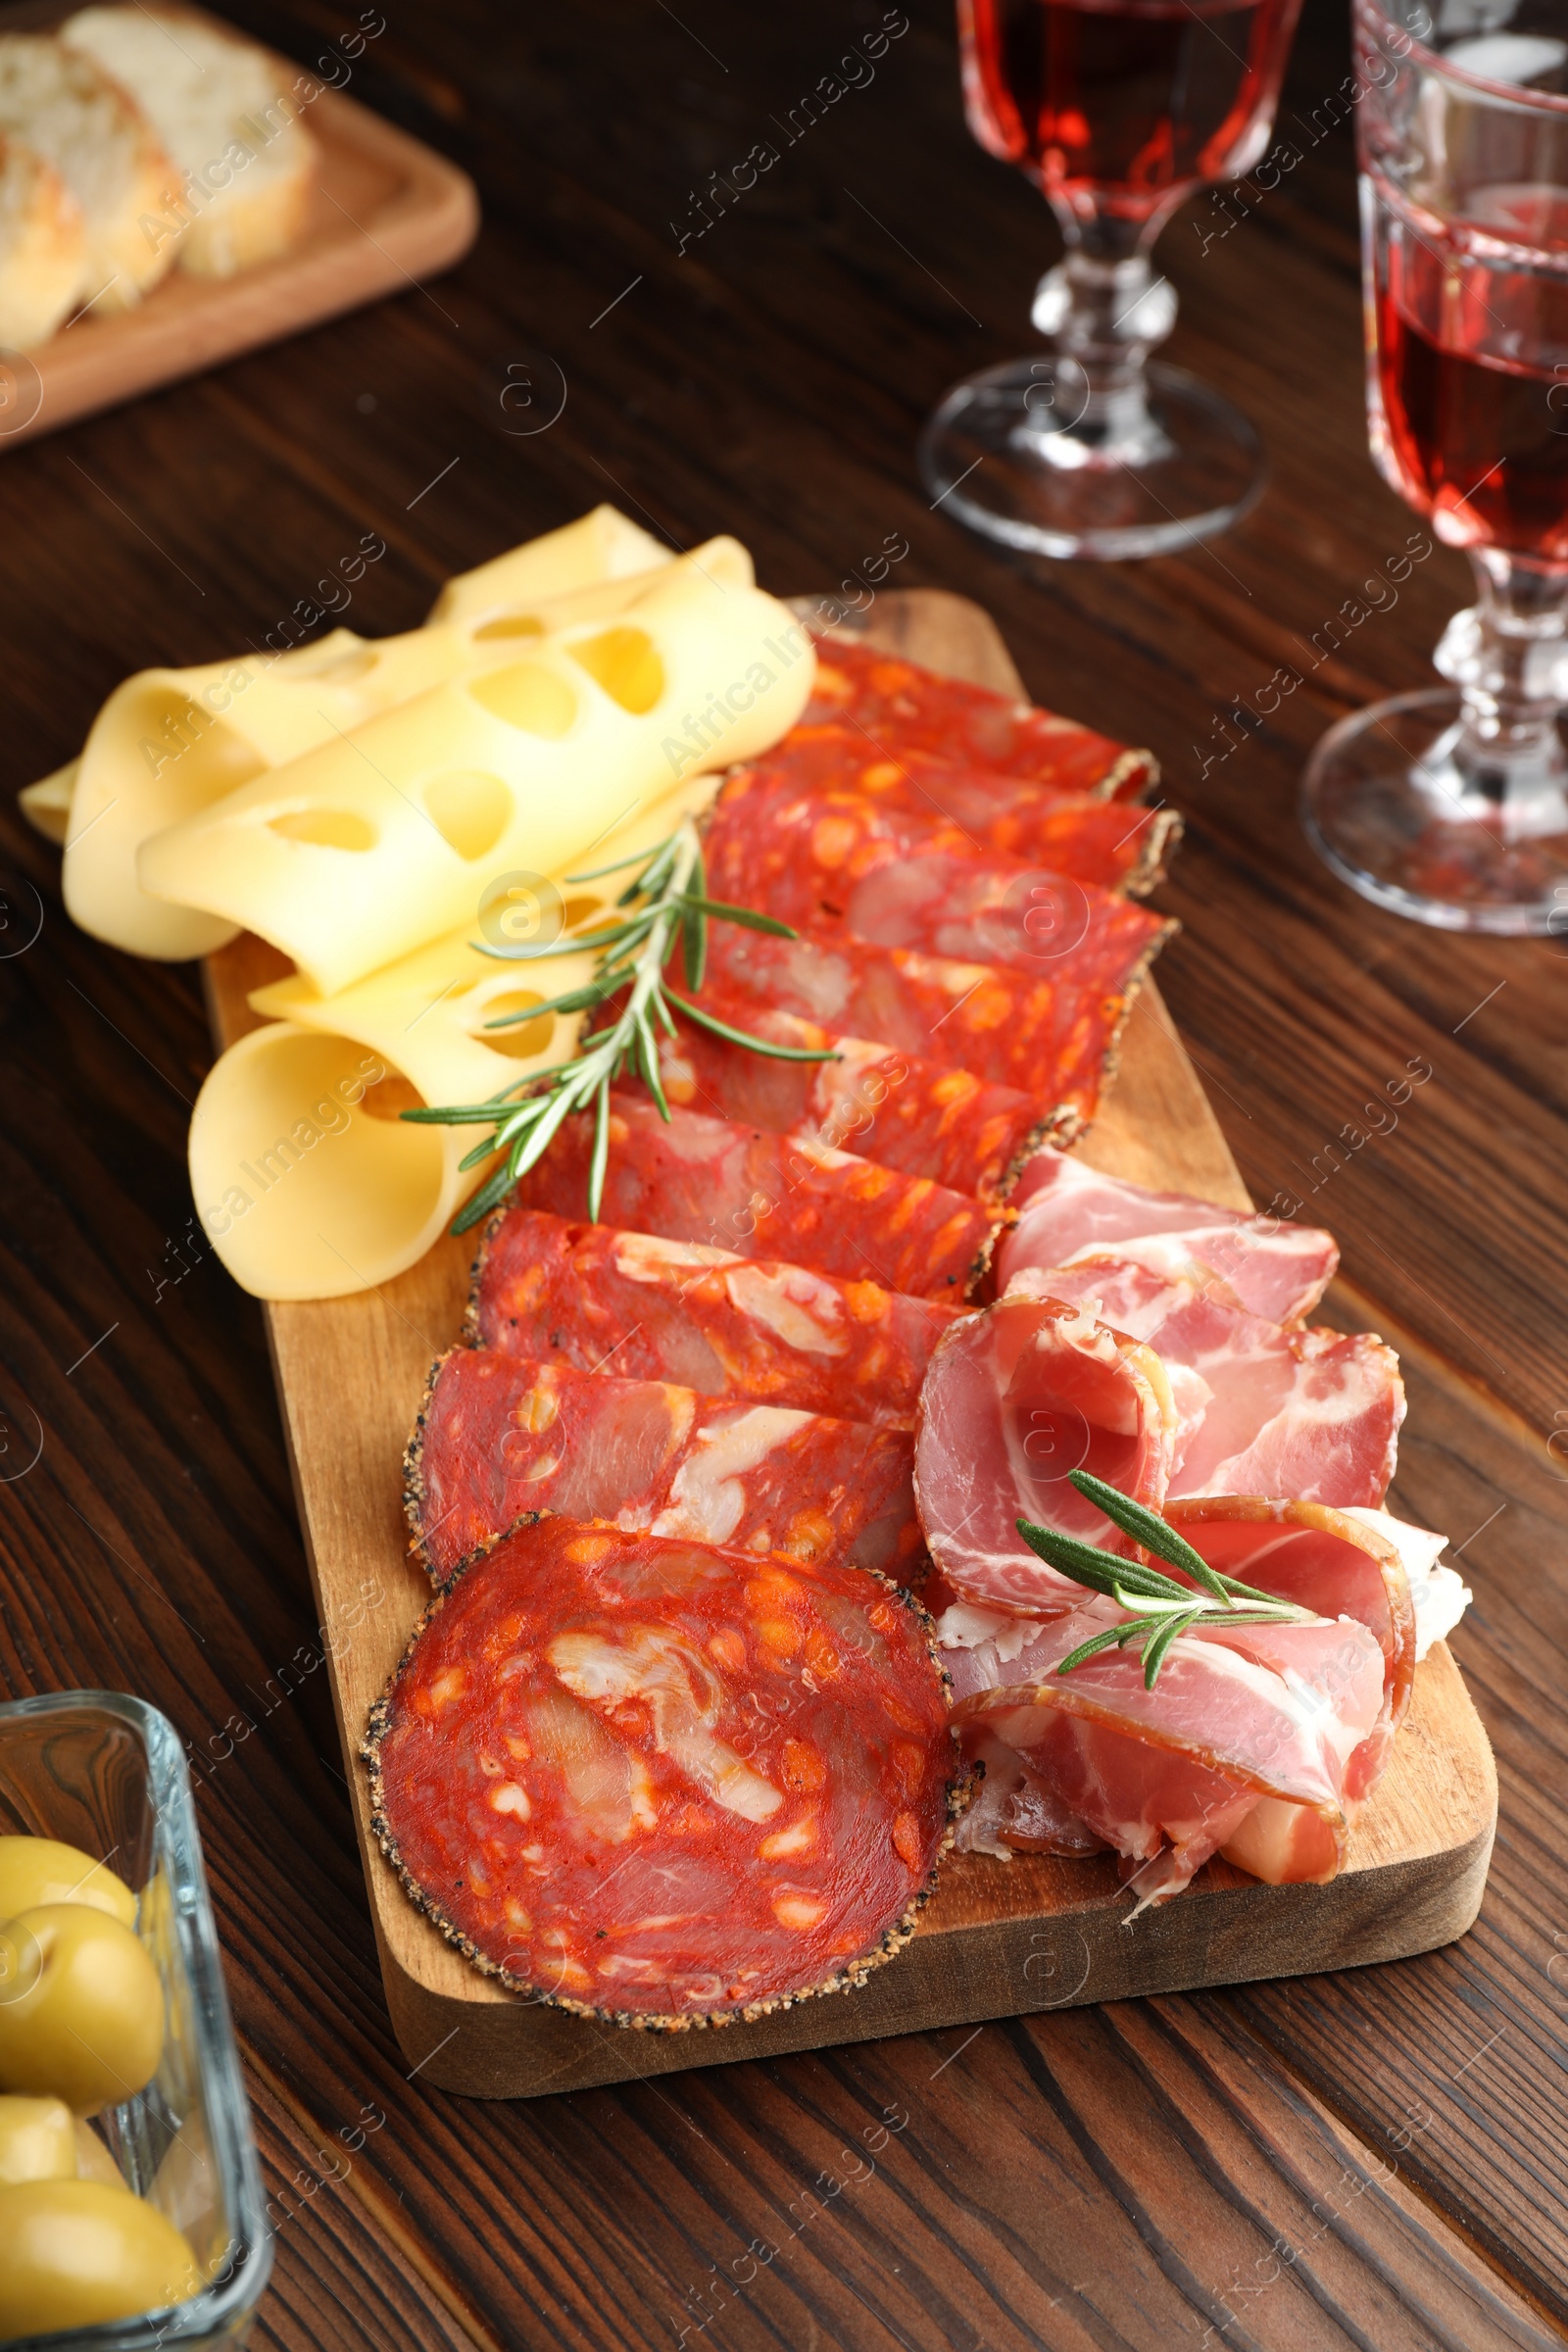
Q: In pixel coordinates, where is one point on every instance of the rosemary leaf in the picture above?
(744, 1037)
(746, 916)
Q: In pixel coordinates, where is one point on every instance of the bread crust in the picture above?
(42, 248)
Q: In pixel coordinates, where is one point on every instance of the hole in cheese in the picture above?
(509, 624)
(390, 1096)
(325, 828)
(470, 809)
(577, 910)
(527, 696)
(626, 664)
(527, 1039)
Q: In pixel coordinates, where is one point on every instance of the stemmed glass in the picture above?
(1452, 804)
(1117, 109)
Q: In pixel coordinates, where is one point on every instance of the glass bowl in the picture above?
(104, 1772)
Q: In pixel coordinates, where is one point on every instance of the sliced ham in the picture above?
(1014, 1399)
(499, 1436)
(635, 1307)
(1264, 1409)
(692, 1178)
(1067, 1209)
(1169, 1776)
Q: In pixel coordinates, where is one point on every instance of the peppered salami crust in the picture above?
(661, 1784)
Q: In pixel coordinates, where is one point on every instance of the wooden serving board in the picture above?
(387, 211)
(998, 1938)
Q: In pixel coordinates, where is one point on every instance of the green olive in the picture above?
(93, 2160)
(39, 1869)
(73, 2253)
(37, 2141)
(81, 2008)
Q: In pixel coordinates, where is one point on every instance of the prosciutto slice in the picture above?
(826, 860)
(1048, 1034)
(900, 1109)
(1169, 1776)
(1014, 1399)
(1264, 1409)
(499, 1436)
(635, 1307)
(692, 1178)
(904, 707)
(1067, 1209)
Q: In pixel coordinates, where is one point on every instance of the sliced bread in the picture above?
(43, 247)
(57, 101)
(245, 163)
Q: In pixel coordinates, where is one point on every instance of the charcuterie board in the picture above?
(387, 211)
(998, 1938)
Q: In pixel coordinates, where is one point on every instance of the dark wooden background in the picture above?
(1374, 2159)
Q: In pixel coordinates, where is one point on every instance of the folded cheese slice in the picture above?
(602, 546)
(354, 852)
(171, 742)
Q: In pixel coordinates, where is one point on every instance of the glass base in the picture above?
(1024, 456)
(1385, 805)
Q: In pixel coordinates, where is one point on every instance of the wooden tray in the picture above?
(998, 1938)
(387, 212)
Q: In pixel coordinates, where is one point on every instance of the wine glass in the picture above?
(1117, 110)
(1452, 804)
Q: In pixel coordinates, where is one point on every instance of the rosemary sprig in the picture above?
(667, 906)
(1162, 1609)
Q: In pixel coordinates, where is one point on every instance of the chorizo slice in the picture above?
(662, 1783)
(825, 861)
(904, 706)
(917, 797)
(629, 1305)
(501, 1436)
(1049, 1034)
(900, 1109)
(692, 1178)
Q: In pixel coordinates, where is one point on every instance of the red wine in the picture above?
(1120, 105)
(1474, 424)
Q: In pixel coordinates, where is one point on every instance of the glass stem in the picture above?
(1508, 656)
(1104, 310)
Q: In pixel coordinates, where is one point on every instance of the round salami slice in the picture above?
(663, 1782)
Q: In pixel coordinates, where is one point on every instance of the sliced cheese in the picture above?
(604, 545)
(358, 852)
(46, 805)
(169, 743)
(308, 1183)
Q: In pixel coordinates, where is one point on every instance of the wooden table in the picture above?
(1377, 2159)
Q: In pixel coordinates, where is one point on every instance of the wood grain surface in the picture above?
(384, 211)
(997, 1940)
(1376, 2159)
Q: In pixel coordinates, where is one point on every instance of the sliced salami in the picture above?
(905, 706)
(1067, 1209)
(662, 1783)
(827, 861)
(499, 1436)
(924, 798)
(1051, 1037)
(899, 1109)
(692, 1178)
(629, 1305)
